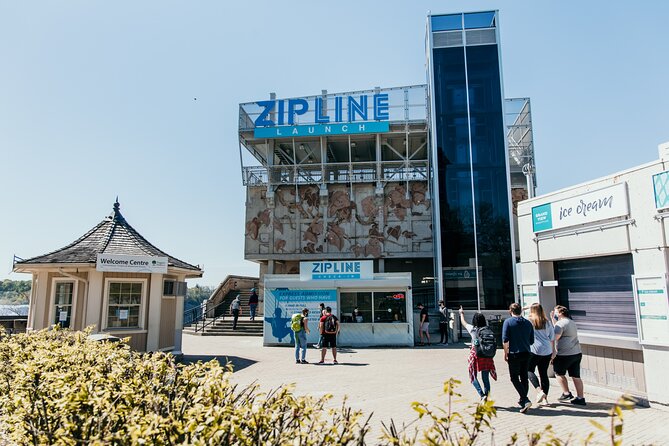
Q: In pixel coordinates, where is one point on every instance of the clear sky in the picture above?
(140, 100)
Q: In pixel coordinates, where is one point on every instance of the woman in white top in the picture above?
(541, 351)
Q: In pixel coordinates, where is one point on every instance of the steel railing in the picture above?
(336, 173)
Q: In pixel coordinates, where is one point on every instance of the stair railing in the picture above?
(198, 316)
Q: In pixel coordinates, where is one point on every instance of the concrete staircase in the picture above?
(223, 327)
(219, 319)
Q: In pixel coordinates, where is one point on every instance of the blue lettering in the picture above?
(320, 117)
(336, 268)
(338, 108)
(293, 109)
(381, 107)
(359, 108)
(316, 269)
(261, 120)
(357, 267)
(349, 267)
(328, 129)
(281, 112)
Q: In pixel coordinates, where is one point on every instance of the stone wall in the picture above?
(341, 222)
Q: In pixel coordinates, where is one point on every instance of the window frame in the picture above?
(73, 306)
(407, 311)
(142, 305)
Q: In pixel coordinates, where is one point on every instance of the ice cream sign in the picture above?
(602, 204)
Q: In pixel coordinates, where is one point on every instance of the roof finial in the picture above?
(117, 206)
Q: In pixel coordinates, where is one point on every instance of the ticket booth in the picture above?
(382, 300)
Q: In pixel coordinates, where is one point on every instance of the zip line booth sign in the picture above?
(282, 303)
(652, 304)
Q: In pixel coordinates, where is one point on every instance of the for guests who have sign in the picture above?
(602, 204)
(131, 264)
(337, 269)
(652, 309)
(282, 303)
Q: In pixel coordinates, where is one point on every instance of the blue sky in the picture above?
(97, 99)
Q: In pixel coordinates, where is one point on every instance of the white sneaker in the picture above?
(525, 406)
(541, 397)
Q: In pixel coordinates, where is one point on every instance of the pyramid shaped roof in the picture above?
(113, 235)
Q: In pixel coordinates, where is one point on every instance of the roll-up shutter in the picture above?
(598, 292)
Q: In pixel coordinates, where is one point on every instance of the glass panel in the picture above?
(480, 20)
(64, 292)
(362, 301)
(446, 22)
(125, 302)
(114, 287)
(493, 224)
(390, 306)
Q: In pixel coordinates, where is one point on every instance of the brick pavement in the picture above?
(386, 381)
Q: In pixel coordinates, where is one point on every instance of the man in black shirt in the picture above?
(424, 326)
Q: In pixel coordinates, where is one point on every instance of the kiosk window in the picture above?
(390, 306)
(350, 301)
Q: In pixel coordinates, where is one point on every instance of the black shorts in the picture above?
(568, 363)
(329, 341)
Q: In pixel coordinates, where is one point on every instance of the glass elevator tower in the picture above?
(474, 247)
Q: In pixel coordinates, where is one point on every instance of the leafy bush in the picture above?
(58, 387)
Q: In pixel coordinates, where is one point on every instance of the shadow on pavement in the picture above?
(237, 362)
(592, 410)
(349, 364)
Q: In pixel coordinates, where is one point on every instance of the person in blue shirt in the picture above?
(517, 338)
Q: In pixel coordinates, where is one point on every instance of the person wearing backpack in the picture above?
(481, 360)
(235, 311)
(518, 337)
(329, 327)
(299, 323)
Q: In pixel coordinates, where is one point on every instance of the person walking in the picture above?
(329, 327)
(568, 355)
(253, 303)
(235, 310)
(476, 364)
(443, 323)
(300, 325)
(517, 337)
(541, 351)
(424, 326)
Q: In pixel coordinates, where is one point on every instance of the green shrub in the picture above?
(57, 387)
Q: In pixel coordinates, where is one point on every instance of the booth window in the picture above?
(360, 300)
(125, 301)
(377, 307)
(64, 294)
(390, 306)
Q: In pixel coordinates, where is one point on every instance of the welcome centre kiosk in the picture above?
(383, 301)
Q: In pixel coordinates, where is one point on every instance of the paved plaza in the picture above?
(387, 381)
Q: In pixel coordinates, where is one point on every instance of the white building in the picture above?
(600, 249)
